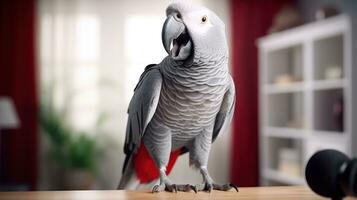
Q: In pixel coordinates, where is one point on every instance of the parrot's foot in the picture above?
(186, 188)
(164, 187)
(165, 183)
(174, 188)
(208, 187)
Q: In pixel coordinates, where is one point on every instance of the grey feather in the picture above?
(142, 108)
(225, 114)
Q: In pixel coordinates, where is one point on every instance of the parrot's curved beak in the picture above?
(174, 32)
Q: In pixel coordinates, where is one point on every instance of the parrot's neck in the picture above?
(204, 70)
(200, 63)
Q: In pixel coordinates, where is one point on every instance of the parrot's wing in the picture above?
(142, 108)
(225, 114)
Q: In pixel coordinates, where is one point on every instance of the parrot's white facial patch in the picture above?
(190, 30)
(200, 22)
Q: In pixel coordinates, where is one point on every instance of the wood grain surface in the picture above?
(261, 193)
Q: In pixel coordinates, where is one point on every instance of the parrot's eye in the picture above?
(204, 19)
(178, 16)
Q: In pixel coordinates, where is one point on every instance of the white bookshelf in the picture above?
(306, 97)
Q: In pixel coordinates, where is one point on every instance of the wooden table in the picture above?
(261, 193)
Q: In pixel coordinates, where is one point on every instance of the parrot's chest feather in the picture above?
(190, 100)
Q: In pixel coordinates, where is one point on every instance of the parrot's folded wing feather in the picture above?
(142, 107)
(226, 111)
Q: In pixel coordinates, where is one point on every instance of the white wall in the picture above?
(111, 71)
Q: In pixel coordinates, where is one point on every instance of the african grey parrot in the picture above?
(181, 104)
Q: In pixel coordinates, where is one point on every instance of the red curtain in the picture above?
(18, 80)
(250, 20)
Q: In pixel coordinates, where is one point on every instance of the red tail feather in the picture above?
(145, 167)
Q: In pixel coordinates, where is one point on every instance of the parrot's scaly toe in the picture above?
(158, 188)
(203, 187)
(186, 188)
(208, 187)
(225, 187)
(165, 187)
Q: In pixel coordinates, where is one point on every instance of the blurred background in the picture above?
(68, 70)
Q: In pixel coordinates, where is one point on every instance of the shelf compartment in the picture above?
(285, 156)
(274, 175)
(284, 66)
(329, 58)
(328, 110)
(322, 141)
(285, 110)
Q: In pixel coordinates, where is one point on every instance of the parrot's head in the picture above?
(192, 31)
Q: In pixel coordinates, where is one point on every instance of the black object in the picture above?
(331, 173)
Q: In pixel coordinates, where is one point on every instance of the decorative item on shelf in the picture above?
(289, 162)
(333, 72)
(337, 110)
(326, 12)
(284, 79)
(287, 18)
(295, 123)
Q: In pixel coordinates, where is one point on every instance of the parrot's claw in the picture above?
(165, 187)
(208, 187)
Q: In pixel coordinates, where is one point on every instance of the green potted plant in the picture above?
(74, 152)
